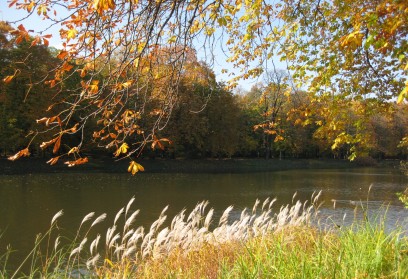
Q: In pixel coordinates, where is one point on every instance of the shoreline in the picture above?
(236, 165)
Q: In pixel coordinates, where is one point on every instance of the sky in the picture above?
(35, 23)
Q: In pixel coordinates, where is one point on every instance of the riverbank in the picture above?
(109, 165)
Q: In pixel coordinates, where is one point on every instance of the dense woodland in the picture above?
(271, 120)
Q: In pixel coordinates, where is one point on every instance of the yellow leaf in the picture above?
(72, 33)
(122, 149)
(93, 88)
(127, 84)
(173, 39)
(135, 167)
(73, 150)
(352, 40)
(403, 95)
(102, 5)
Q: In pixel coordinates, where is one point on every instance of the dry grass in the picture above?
(259, 244)
(190, 236)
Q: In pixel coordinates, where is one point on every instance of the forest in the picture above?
(208, 120)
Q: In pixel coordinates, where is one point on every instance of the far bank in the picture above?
(110, 165)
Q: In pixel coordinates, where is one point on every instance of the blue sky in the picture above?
(32, 23)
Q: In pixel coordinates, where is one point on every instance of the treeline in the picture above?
(272, 120)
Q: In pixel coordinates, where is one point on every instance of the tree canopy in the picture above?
(122, 62)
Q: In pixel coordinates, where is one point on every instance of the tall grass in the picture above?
(258, 244)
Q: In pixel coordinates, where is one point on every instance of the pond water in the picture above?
(28, 202)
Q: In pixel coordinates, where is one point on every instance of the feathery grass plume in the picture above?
(294, 196)
(129, 251)
(265, 203)
(137, 235)
(78, 249)
(118, 215)
(129, 204)
(56, 216)
(87, 218)
(271, 203)
(208, 218)
(118, 250)
(127, 235)
(101, 218)
(109, 234)
(93, 261)
(255, 206)
(113, 240)
(94, 244)
(57, 243)
(130, 220)
(225, 215)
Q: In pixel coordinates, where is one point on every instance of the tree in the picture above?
(22, 99)
(274, 95)
(131, 55)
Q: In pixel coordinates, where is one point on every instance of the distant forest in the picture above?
(271, 120)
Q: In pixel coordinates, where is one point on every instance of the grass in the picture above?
(258, 244)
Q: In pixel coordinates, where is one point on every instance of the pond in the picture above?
(28, 202)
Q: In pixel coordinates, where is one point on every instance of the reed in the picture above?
(260, 243)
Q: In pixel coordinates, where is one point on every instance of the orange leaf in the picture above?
(35, 41)
(22, 153)
(12, 3)
(83, 72)
(48, 120)
(79, 161)
(67, 67)
(75, 128)
(159, 144)
(53, 161)
(21, 28)
(8, 79)
(62, 54)
(48, 143)
(57, 144)
(19, 39)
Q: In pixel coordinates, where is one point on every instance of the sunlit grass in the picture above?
(258, 244)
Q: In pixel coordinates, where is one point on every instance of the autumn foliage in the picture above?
(123, 63)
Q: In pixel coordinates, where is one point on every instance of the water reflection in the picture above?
(28, 202)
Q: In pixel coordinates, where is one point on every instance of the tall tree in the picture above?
(274, 95)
